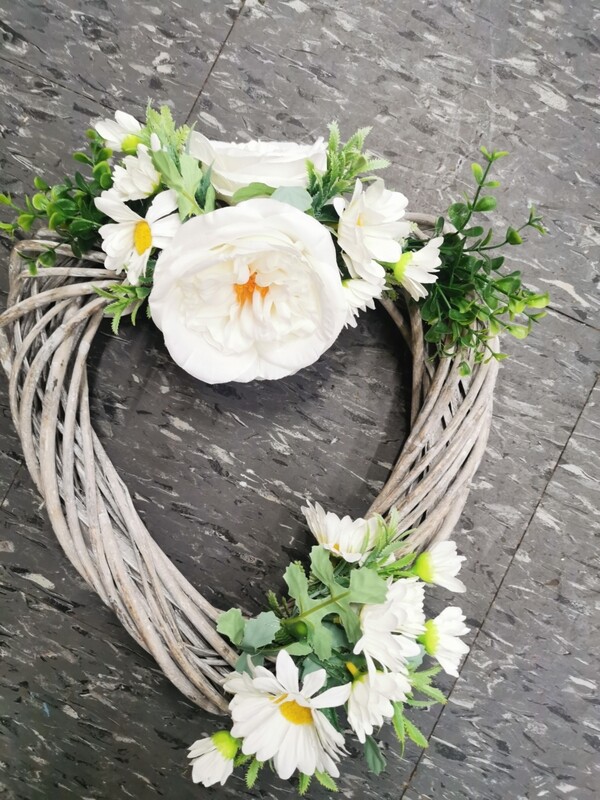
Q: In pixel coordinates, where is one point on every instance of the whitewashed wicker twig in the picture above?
(45, 337)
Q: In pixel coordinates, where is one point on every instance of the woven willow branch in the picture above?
(45, 337)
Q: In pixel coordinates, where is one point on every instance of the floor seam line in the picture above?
(11, 484)
(501, 582)
(217, 57)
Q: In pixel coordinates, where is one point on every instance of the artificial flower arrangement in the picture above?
(251, 259)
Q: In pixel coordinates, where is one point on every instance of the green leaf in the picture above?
(298, 648)
(464, 369)
(25, 221)
(415, 734)
(231, 623)
(374, 757)
(477, 172)
(538, 300)
(320, 565)
(458, 214)
(320, 639)
(518, 331)
(83, 158)
(303, 783)
(260, 631)
(294, 196)
(487, 203)
(366, 586)
(398, 723)
(297, 584)
(326, 781)
(477, 230)
(252, 773)
(252, 190)
(47, 259)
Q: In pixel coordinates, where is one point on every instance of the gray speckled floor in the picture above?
(220, 472)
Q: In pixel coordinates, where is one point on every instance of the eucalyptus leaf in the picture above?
(294, 196)
(252, 190)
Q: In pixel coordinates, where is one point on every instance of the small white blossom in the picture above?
(441, 641)
(213, 758)
(371, 698)
(413, 269)
(279, 720)
(136, 178)
(390, 629)
(370, 228)
(440, 565)
(120, 133)
(360, 295)
(351, 539)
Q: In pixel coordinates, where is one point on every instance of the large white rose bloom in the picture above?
(129, 241)
(440, 565)
(248, 292)
(235, 166)
(389, 630)
(441, 639)
(213, 758)
(371, 698)
(350, 539)
(279, 720)
(370, 229)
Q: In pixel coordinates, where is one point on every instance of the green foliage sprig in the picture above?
(473, 300)
(345, 163)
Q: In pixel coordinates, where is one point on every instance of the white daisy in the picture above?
(369, 228)
(413, 269)
(136, 178)
(441, 641)
(213, 758)
(278, 720)
(371, 698)
(351, 539)
(120, 133)
(440, 565)
(360, 295)
(389, 630)
(129, 241)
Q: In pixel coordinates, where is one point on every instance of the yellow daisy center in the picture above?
(294, 712)
(245, 291)
(142, 237)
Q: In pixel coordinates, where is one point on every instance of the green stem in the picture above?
(329, 602)
(476, 196)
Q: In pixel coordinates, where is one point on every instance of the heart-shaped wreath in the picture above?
(253, 257)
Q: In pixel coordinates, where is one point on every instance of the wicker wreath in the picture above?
(45, 338)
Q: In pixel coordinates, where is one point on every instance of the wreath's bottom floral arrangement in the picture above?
(251, 258)
(355, 627)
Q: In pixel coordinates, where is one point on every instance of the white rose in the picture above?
(235, 166)
(248, 292)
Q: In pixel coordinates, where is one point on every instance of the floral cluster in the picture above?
(253, 257)
(355, 627)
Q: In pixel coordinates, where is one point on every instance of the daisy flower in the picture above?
(213, 758)
(441, 641)
(413, 269)
(389, 630)
(361, 294)
(370, 226)
(136, 178)
(120, 133)
(371, 698)
(278, 720)
(351, 539)
(440, 565)
(128, 241)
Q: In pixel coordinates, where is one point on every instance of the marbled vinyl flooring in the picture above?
(220, 472)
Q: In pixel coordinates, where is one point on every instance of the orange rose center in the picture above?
(245, 291)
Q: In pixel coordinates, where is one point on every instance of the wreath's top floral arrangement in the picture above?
(252, 258)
